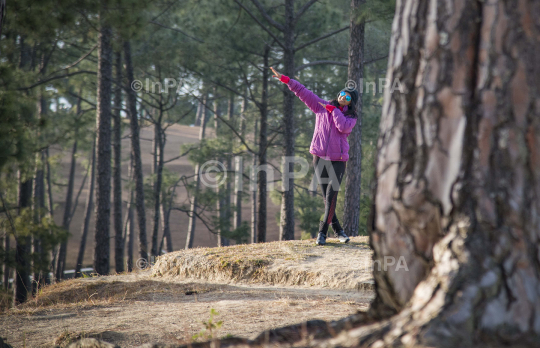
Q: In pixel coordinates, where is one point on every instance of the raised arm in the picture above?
(309, 98)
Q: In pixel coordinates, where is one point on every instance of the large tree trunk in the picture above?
(117, 172)
(458, 175)
(193, 207)
(87, 213)
(351, 211)
(103, 146)
(136, 152)
(286, 227)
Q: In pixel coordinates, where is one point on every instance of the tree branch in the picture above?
(375, 59)
(56, 78)
(77, 61)
(178, 30)
(267, 16)
(320, 38)
(302, 10)
(319, 62)
(262, 25)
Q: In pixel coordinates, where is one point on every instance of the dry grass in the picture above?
(166, 304)
(82, 294)
(297, 262)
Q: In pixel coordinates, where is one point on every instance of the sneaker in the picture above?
(321, 240)
(339, 233)
(343, 238)
(323, 228)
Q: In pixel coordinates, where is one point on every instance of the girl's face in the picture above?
(342, 99)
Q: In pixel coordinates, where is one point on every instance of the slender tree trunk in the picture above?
(165, 217)
(286, 228)
(254, 220)
(193, 207)
(54, 249)
(130, 228)
(7, 260)
(39, 207)
(158, 172)
(200, 113)
(228, 163)
(117, 171)
(60, 267)
(239, 168)
(23, 246)
(103, 146)
(87, 213)
(263, 142)
(220, 191)
(351, 211)
(136, 151)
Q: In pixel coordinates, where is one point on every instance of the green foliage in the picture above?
(240, 235)
(210, 327)
(26, 225)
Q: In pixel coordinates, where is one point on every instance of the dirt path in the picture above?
(140, 307)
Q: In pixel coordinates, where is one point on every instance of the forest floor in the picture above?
(170, 301)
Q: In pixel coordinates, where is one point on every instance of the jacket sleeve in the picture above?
(343, 124)
(308, 97)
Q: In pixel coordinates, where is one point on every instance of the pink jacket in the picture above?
(331, 128)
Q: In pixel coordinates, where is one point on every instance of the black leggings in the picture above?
(329, 194)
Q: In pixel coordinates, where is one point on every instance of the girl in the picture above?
(335, 120)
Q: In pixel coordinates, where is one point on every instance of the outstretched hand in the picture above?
(276, 74)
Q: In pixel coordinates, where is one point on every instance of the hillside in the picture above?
(253, 288)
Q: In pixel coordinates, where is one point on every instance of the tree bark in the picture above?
(136, 152)
(117, 171)
(87, 213)
(457, 177)
(351, 211)
(103, 146)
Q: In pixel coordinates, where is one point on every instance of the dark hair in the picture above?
(351, 108)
